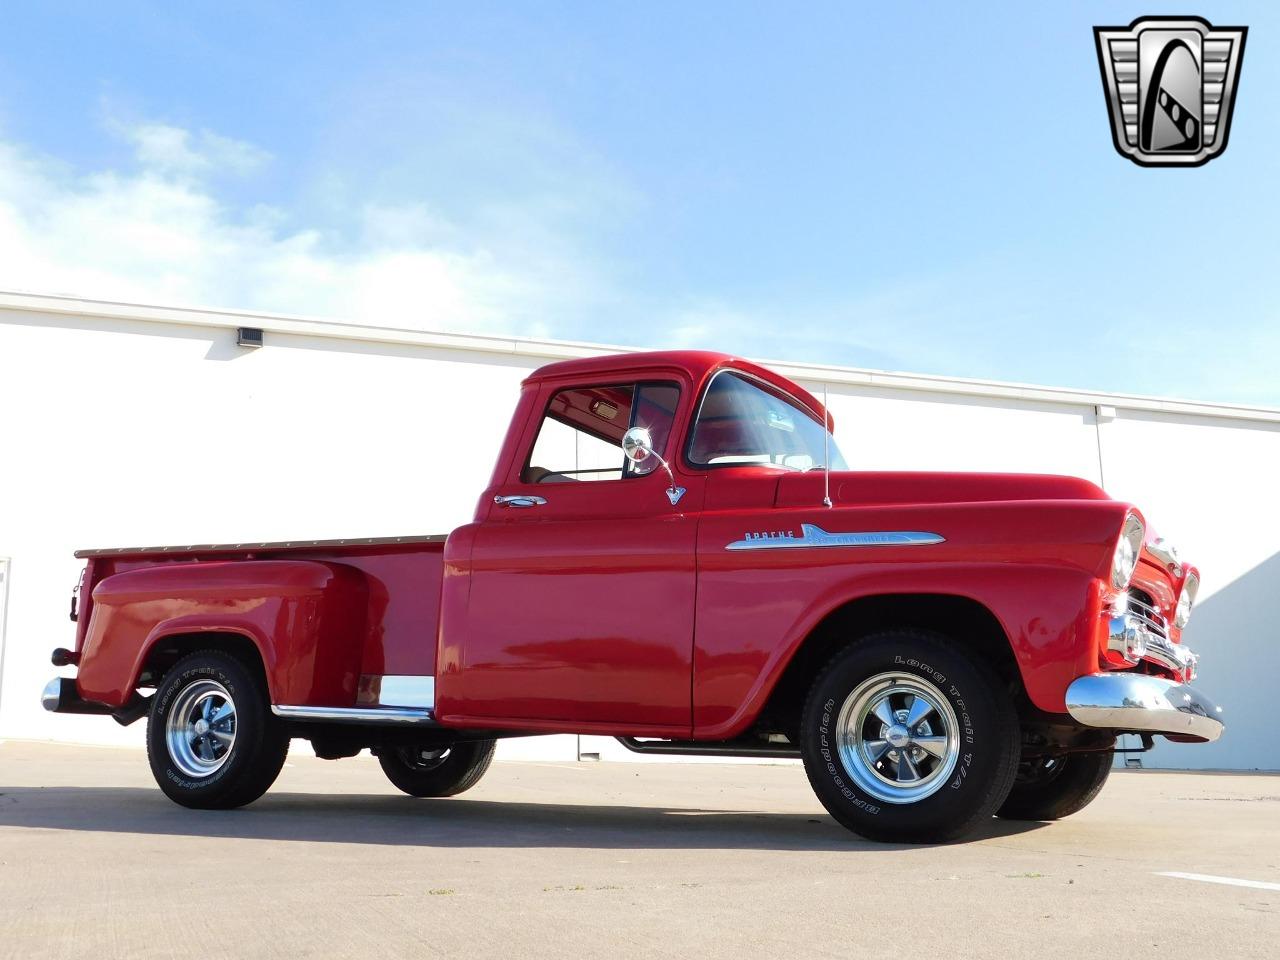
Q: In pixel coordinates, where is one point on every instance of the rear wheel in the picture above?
(435, 770)
(212, 740)
(907, 739)
(1050, 788)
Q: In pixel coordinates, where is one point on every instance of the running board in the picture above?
(712, 748)
(382, 715)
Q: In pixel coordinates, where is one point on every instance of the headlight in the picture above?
(1129, 546)
(1185, 600)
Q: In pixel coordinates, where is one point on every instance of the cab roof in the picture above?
(698, 365)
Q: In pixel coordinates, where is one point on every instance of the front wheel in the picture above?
(1050, 788)
(907, 739)
(437, 771)
(212, 740)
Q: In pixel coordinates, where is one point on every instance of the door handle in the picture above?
(519, 500)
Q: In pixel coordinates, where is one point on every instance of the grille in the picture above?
(1160, 649)
(1142, 604)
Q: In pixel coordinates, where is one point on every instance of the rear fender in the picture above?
(306, 618)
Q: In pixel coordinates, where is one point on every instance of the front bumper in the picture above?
(1139, 703)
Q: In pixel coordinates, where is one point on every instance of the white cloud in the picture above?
(162, 230)
(159, 232)
(173, 150)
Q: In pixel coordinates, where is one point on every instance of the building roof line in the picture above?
(18, 302)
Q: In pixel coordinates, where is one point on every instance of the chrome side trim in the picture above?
(397, 690)
(812, 535)
(742, 747)
(354, 714)
(1142, 703)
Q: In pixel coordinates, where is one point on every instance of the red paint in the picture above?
(608, 610)
(319, 617)
(580, 610)
(1031, 563)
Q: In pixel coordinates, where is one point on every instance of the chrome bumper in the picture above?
(61, 696)
(1136, 702)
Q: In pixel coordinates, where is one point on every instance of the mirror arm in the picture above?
(637, 445)
(674, 493)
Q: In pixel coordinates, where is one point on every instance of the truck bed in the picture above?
(131, 595)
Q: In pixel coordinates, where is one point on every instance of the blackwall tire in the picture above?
(944, 763)
(212, 740)
(1051, 788)
(437, 771)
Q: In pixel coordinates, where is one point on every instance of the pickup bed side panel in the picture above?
(304, 616)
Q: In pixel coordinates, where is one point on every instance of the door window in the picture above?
(581, 433)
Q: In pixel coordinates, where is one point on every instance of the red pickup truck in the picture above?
(672, 551)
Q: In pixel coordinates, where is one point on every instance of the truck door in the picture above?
(582, 577)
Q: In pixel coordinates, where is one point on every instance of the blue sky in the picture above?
(924, 187)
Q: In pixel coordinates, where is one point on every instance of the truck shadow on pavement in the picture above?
(403, 821)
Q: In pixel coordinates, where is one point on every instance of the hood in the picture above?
(851, 488)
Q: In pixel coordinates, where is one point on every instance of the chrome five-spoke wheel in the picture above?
(898, 737)
(201, 728)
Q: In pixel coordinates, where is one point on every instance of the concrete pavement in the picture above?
(611, 860)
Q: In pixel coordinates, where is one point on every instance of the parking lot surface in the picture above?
(613, 860)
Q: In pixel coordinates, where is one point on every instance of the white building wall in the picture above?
(129, 425)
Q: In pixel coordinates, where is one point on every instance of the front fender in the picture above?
(1034, 565)
(1044, 611)
(304, 617)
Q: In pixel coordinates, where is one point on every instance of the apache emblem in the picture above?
(1171, 85)
(811, 535)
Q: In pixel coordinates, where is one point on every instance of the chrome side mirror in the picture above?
(637, 446)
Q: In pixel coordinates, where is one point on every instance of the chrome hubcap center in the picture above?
(202, 727)
(898, 736)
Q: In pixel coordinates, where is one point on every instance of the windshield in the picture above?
(744, 422)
